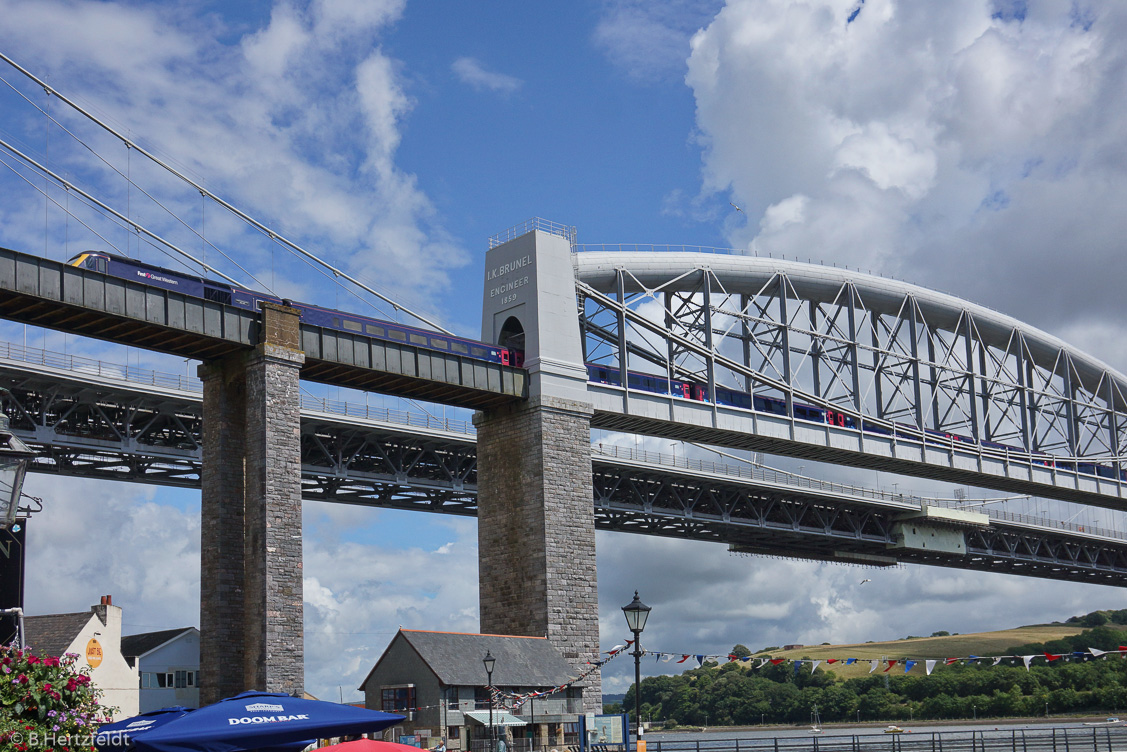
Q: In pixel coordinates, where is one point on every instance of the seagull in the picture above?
(741, 211)
(865, 580)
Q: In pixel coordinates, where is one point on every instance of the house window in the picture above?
(169, 679)
(397, 699)
(480, 698)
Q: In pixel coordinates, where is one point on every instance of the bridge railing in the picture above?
(186, 382)
(1103, 739)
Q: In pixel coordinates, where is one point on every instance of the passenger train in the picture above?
(226, 293)
(762, 403)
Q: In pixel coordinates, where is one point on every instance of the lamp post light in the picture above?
(974, 708)
(489, 662)
(15, 456)
(636, 614)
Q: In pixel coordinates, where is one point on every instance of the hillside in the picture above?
(923, 648)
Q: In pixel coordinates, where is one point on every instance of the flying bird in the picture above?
(865, 580)
(741, 211)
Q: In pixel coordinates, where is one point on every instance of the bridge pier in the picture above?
(536, 517)
(251, 617)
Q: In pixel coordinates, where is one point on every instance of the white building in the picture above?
(169, 666)
(95, 635)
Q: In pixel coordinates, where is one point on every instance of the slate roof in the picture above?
(52, 634)
(134, 646)
(455, 658)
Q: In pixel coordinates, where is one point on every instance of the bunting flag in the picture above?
(949, 661)
(666, 658)
(777, 661)
(1052, 657)
(1027, 659)
(1097, 653)
(813, 665)
(700, 661)
(890, 665)
(929, 665)
(873, 665)
(908, 666)
(762, 662)
(850, 661)
(832, 660)
(796, 665)
(683, 659)
(997, 660)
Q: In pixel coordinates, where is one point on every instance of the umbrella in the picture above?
(114, 737)
(254, 720)
(370, 745)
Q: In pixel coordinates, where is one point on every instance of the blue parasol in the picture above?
(255, 720)
(118, 736)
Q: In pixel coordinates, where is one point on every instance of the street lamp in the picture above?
(489, 662)
(636, 614)
(975, 710)
(15, 456)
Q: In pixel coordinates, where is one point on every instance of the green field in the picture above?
(924, 648)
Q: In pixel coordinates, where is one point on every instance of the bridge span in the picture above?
(94, 419)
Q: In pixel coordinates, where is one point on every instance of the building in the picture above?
(95, 635)
(438, 680)
(169, 666)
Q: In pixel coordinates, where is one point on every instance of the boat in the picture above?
(1110, 721)
(894, 730)
(816, 727)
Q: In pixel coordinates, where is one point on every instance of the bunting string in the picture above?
(516, 700)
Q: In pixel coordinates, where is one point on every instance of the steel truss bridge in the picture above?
(919, 383)
(96, 420)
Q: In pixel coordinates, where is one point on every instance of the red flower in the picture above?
(21, 679)
(32, 660)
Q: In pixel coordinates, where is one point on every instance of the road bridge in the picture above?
(92, 419)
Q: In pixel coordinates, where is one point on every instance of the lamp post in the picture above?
(974, 709)
(15, 457)
(636, 614)
(489, 662)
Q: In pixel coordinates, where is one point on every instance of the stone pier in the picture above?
(536, 525)
(251, 617)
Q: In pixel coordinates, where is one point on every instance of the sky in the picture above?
(978, 147)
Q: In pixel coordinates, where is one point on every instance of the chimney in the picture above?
(107, 600)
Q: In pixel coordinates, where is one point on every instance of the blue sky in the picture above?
(975, 147)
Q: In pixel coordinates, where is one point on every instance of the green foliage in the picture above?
(46, 703)
(941, 633)
(741, 651)
(736, 693)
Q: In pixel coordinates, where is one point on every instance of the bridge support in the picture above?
(251, 618)
(536, 517)
(536, 529)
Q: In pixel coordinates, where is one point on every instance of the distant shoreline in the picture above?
(1031, 720)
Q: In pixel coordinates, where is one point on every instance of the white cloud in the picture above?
(951, 145)
(650, 41)
(471, 71)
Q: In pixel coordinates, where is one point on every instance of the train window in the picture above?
(353, 326)
(217, 295)
(418, 339)
(101, 265)
(396, 334)
(336, 322)
(458, 347)
(441, 344)
(378, 331)
(477, 352)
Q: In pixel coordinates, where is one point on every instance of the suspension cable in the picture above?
(237, 212)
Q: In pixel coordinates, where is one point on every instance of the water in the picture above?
(681, 738)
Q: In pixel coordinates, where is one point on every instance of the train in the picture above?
(228, 294)
(603, 374)
(223, 292)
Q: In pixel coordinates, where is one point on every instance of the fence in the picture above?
(1101, 739)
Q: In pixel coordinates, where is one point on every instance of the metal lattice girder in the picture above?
(888, 355)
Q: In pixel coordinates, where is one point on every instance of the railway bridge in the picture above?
(728, 350)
